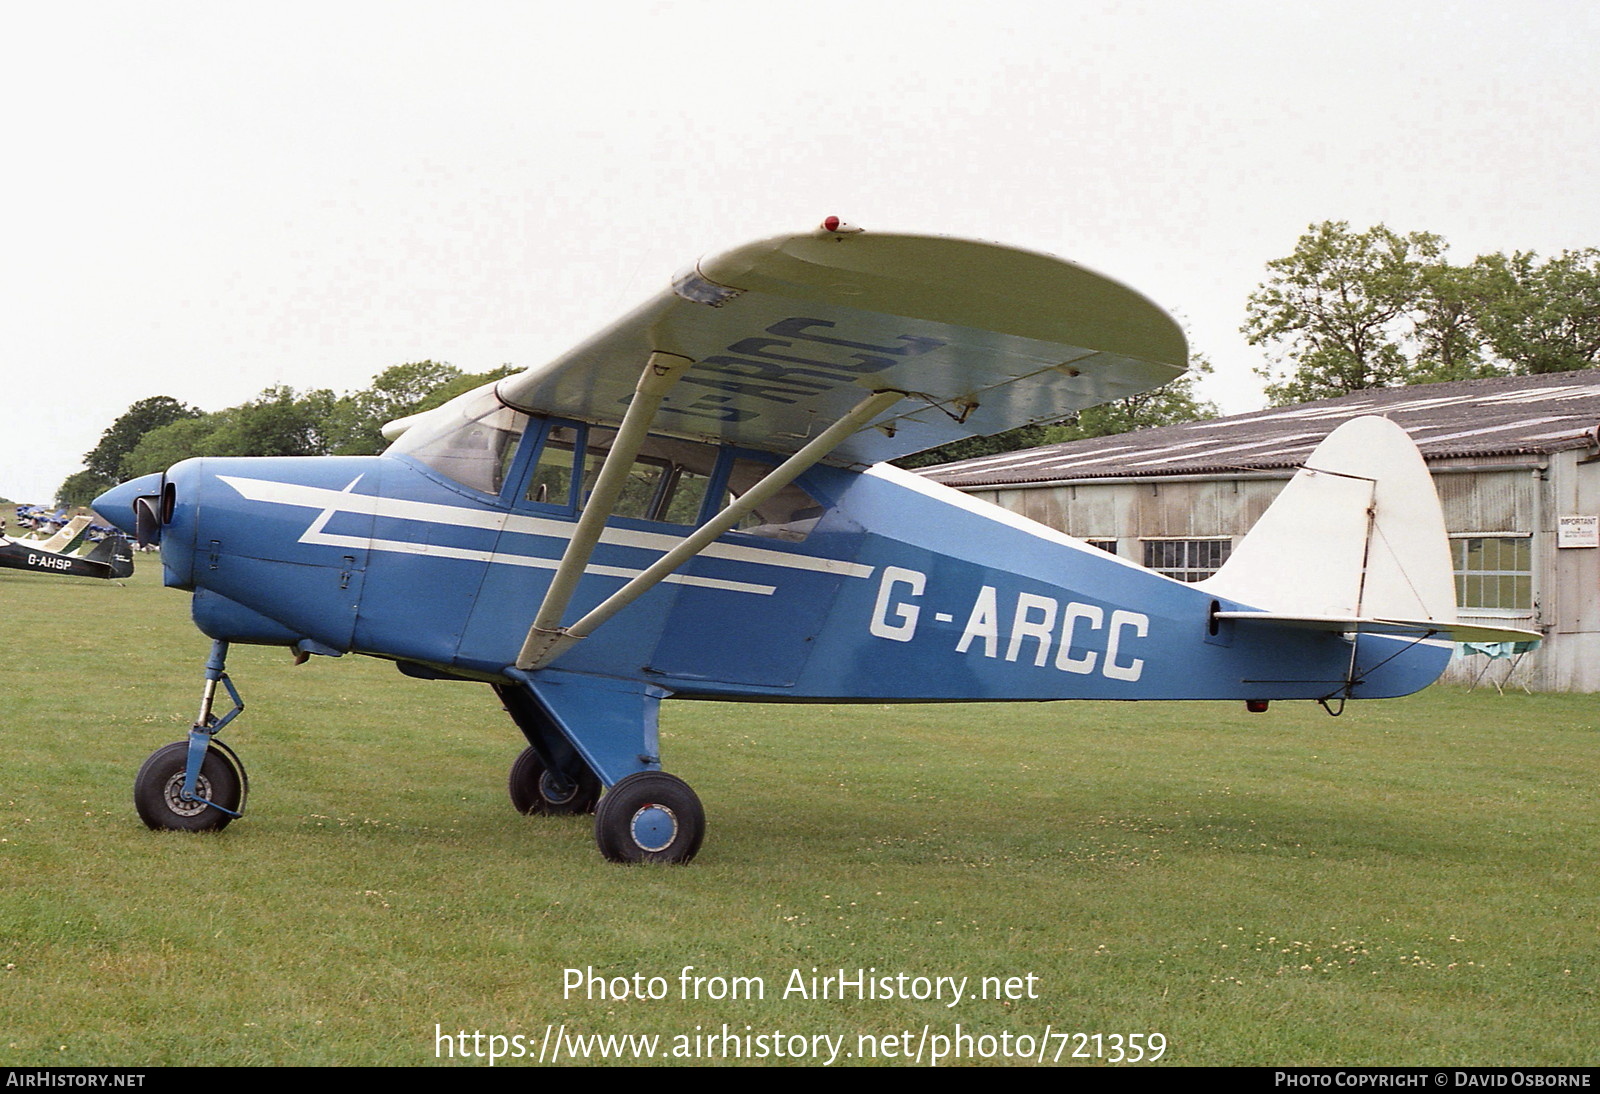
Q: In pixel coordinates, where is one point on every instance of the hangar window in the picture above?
(1187, 559)
(1494, 573)
(1109, 546)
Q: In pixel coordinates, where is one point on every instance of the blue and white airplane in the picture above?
(694, 504)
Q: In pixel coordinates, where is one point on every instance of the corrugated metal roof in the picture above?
(1513, 415)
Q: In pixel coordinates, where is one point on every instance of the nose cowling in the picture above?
(138, 507)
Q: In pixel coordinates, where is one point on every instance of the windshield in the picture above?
(472, 439)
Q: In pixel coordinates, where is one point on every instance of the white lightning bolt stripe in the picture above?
(342, 501)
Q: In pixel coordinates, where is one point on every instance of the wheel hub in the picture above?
(654, 827)
(173, 793)
(557, 790)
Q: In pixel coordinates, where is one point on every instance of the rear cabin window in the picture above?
(790, 514)
(667, 481)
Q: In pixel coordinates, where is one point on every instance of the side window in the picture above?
(1493, 572)
(1187, 559)
(667, 481)
(641, 490)
(790, 514)
(551, 481)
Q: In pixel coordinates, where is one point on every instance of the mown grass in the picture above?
(1411, 883)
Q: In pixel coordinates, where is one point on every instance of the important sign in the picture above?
(1578, 532)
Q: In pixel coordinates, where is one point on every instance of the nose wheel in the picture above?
(158, 790)
(197, 785)
(649, 816)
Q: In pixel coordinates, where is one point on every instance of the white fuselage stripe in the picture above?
(345, 501)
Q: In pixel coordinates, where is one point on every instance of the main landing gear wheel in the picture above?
(158, 789)
(538, 791)
(649, 816)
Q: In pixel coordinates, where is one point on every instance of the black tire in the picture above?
(649, 816)
(535, 791)
(160, 781)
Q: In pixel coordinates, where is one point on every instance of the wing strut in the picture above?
(661, 371)
(547, 639)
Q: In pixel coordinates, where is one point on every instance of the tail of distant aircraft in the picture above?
(115, 552)
(64, 540)
(1355, 542)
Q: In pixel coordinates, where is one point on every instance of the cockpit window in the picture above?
(471, 439)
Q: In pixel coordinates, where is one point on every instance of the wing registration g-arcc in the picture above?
(789, 333)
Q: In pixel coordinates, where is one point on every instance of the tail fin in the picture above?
(115, 552)
(65, 539)
(1356, 541)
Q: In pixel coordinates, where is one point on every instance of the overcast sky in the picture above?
(206, 199)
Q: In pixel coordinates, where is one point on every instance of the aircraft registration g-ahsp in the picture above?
(57, 555)
(694, 504)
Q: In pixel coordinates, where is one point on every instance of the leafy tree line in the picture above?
(1353, 310)
(155, 433)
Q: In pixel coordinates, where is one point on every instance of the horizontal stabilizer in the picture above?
(1420, 628)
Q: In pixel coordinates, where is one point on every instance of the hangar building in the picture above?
(1516, 461)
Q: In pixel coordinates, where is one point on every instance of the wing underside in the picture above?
(788, 334)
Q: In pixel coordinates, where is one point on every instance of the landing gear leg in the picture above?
(609, 727)
(197, 785)
(549, 778)
(541, 791)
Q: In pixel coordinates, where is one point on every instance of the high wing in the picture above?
(786, 335)
(834, 346)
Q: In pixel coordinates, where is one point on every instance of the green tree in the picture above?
(82, 487)
(163, 447)
(1541, 316)
(275, 423)
(1446, 326)
(461, 385)
(105, 459)
(356, 419)
(1341, 310)
(1353, 310)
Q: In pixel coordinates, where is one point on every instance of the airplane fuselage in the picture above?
(899, 590)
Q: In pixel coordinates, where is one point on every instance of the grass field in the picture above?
(1411, 883)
